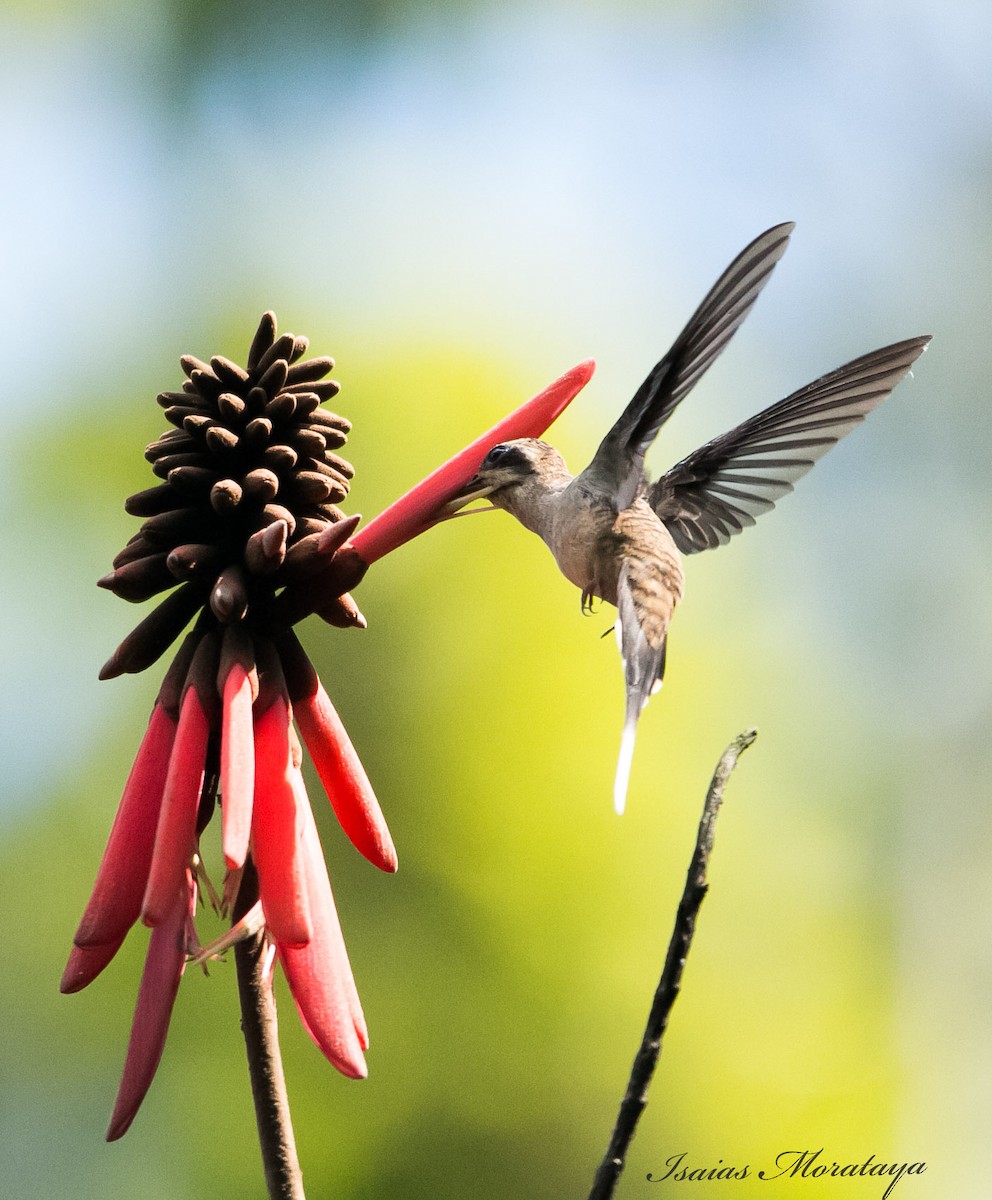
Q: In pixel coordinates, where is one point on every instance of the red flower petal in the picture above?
(164, 967)
(319, 886)
(277, 822)
(340, 769)
(176, 833)
(85, 964)
(115, 903)
(237, 765)
(417, 510)
(319, 974)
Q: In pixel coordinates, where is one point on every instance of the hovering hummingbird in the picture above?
(618, 537)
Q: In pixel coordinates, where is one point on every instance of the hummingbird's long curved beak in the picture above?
(475, 489)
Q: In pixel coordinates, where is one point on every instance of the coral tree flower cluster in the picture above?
(245, 535)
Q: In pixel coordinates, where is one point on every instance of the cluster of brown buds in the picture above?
(248, 499)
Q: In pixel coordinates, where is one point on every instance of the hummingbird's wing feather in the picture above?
(618, 463)
(723, 486)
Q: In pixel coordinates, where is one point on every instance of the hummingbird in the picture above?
(620, 538)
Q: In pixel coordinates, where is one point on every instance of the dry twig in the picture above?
(646, 1059)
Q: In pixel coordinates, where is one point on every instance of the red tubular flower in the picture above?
(319, 973)
(159, 984)
(276, 829)
(338, 765)
(418, 509)
(237, 683)
(245, 521)
(175, 835)
(123, 875)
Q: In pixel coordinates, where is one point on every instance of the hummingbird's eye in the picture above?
(507, 454)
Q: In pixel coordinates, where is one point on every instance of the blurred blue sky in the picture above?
(531, 185)
(542, 183)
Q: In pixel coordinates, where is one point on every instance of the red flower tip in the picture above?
(85, 963)
(417, 511)
(115, 903)
(164, 967)
(340, 769)
(319, 974)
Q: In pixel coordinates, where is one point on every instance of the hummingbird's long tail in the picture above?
(625, 758)
(635, 706)
(644, 667)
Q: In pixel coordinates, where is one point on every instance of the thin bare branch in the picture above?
(646, 1059)
(268, 1083)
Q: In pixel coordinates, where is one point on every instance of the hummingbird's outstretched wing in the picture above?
(721, 488)
(617, 465)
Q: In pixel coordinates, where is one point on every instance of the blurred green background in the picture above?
(459, 201)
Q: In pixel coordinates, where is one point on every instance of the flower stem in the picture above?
(268, 1083)
(646, 1059)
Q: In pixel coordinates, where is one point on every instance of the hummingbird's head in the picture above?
(510, 469)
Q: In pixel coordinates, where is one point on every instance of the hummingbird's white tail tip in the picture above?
(624, 761)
